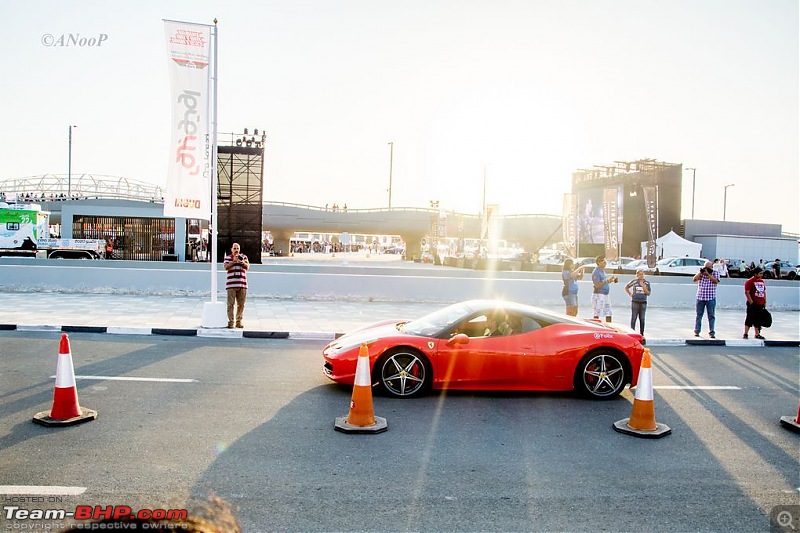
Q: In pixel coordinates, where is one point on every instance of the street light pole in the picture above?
(69, 164)
(693, 183)
(391, 160)
(725, 201)
(484, 190)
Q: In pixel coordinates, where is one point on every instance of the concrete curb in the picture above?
(224, 333)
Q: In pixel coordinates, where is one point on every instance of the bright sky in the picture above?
(529, 90)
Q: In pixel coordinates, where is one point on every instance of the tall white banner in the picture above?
(188, 191)
(569, 224)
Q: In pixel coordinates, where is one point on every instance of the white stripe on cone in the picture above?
(362, 372)
(644, 387)
(65, 373)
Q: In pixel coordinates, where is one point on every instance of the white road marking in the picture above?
(126, 378)
(41, 490)
(699, 387)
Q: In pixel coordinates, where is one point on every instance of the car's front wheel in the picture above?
(601, 375)
(404, 372)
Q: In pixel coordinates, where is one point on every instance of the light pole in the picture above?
(391, 159)
(725, 201)
(69, 164)
(693, 183)
(484, 219)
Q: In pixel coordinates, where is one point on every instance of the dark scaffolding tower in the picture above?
(240, 166)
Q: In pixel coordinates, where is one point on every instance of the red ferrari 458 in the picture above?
(491, 345)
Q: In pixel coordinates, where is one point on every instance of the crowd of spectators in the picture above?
(28, 197)
(42, 197)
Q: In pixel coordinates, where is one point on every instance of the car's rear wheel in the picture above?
(601, 375)
(404, 373)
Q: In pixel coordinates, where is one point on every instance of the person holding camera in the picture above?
(570, 276)
(601, 297)
(236, 265)
(707, 280)
(638, 289)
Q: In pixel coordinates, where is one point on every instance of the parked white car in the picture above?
(632, 266)
(618, 264)
(688, 266)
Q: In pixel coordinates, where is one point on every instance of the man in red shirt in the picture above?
(755, 290)
(236, 265)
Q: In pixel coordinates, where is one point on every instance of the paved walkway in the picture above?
(316, 319)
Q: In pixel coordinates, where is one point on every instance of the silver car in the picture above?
(687, 266)
(788, 270)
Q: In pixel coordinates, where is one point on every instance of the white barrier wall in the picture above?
(358, 283)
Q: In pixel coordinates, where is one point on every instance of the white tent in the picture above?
(673, 245)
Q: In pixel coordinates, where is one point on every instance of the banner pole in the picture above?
(214, 176)
(214, 312)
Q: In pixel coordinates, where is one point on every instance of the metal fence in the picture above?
(134, 238)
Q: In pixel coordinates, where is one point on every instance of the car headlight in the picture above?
(337, 347)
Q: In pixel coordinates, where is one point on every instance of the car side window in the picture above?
(529, 324)
(474, 327)
(514, 324)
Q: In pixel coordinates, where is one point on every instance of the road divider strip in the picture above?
(40, 490)
(327, 335)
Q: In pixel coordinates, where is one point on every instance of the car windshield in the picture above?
(431, 324)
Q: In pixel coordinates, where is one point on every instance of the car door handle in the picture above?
(528, 347)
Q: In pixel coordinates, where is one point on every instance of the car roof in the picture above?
(678, 257)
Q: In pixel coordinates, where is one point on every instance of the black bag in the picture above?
(765, 319)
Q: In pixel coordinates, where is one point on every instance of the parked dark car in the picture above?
(735, 272)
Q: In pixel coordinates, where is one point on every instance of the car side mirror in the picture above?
(460, 338)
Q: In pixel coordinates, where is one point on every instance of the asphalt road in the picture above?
(252, 421)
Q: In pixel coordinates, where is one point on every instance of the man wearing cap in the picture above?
(755, 290)
(706, 280)
(601, 299)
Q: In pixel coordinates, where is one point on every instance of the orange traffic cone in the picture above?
(65, 411)
(642, 422)
(361, 419)
(792, 424)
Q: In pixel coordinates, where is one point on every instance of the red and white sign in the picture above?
(188, 191)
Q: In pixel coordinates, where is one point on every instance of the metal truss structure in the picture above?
(619, 169)
(240, 170)
(55, 186)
